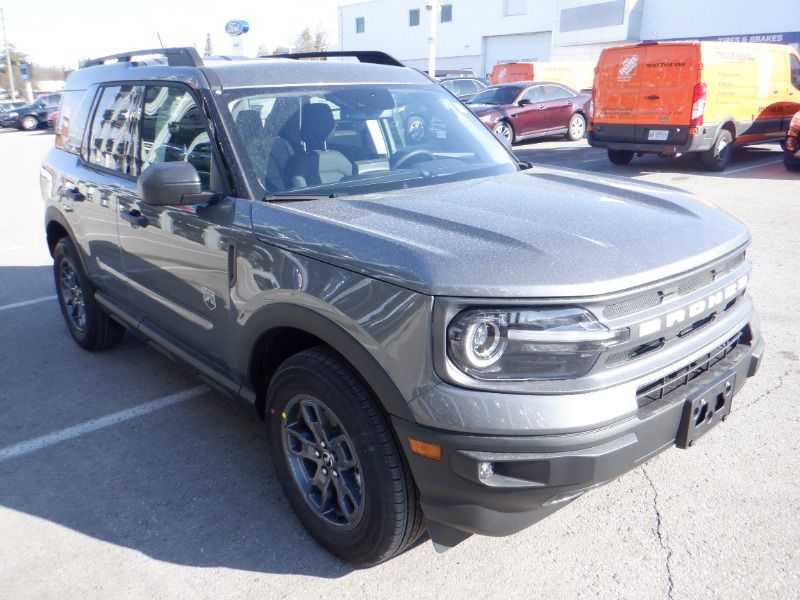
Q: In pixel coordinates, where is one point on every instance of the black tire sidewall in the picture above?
(620, 157)
(363, 542)
(65, 249)
(711, 159)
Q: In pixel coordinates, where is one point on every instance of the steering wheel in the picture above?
(413, 154)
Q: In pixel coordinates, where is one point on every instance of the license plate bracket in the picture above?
(704, 409)
(658, 135)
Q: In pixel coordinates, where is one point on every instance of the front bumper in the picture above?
(533, 476)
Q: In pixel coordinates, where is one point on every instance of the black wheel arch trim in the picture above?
(53, 215)
(282, 315)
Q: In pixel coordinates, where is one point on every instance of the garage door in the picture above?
(515, 48)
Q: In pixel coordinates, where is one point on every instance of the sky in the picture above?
(63, 32)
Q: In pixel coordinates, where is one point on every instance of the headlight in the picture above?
(528, 345)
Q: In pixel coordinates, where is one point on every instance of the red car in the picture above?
(52, 118)
(521, 110)
(791, 145)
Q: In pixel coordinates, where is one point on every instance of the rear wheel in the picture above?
(620, 157)
(504, 131)
(338, 462)
(790, 162)
(88, 324)
(719, 155)
(576, 128)
(29, 123)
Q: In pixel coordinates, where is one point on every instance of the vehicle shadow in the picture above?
(191, 484)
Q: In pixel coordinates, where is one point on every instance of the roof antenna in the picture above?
(159, 39)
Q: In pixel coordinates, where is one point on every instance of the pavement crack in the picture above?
(774, 388)
(660, 534)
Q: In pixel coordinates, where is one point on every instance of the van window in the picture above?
(110, 143)
(795, 68)
(173, 128)
(72, 116)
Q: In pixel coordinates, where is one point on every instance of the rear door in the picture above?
(669, 75)
(618, 85)
(557, 107)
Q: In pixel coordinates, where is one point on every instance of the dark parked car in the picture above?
(791, 145)
(517, 111)
(31, 116)
(436, 335)
(9, 105)
(464, 88)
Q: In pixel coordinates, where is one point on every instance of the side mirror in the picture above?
(525, 102)
(171, 184)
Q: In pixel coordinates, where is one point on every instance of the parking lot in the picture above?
(123, 476)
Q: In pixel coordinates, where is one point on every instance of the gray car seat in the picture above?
(316, 164)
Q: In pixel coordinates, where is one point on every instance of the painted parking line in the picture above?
(9, 249)
(75, 431)
(753, 166)
(27, 302)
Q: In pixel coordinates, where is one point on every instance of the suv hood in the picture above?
(539, 233)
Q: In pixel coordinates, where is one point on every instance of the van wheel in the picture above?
(338, 462)
(719, 155)
(790, 162)
(88, 324)
(620, 157)
(576, 128)
(504, 131)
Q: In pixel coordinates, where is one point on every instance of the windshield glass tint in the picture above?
(498, 95)
(360, 138)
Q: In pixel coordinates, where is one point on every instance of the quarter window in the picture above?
(172, 129)
(110, 143)
(413, 17)
(359, 24)
(72, 117)
(447, 13)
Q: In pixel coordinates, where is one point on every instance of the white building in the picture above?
(476, 34)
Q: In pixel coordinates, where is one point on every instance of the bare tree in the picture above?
(208, 50)
(321, 39)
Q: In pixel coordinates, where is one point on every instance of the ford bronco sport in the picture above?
(437, 336)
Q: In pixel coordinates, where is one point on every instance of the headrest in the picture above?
(248, 121)
(317, 124)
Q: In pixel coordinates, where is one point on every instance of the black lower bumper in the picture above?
(500, 485)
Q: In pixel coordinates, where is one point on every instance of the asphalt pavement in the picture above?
(123, 476)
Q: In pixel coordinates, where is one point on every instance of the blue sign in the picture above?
(24, 71)
(237, 27)
(784, 37)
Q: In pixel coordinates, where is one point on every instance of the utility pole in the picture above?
(433, 8)
(8, 57)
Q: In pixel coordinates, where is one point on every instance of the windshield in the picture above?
(497, 95)
(337, 140)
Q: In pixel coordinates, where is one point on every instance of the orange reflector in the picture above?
(692, 130)
(426, 449)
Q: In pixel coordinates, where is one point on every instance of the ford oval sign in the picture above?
(237, 27)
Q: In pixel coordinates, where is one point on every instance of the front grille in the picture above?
(632, 305)
(660, 388)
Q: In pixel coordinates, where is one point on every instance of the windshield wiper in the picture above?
(297, 196)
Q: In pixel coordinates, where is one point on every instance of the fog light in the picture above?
(485, 470)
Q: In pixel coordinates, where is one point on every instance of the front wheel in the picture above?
(576, 128)
(29, 123)
(338, 462)
(88, 324)
(790, 162)
(504, 131)
(719, 155)
(620, 157)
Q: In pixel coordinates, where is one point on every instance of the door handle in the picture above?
(652, 97)
(541, 107)
(134, 217)
(74, 195)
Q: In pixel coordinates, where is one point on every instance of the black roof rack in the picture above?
(176, 57)
(365, 56)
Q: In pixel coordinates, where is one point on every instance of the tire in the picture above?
(719, 155)
(338, 462)
(790, 162)
(620, 157)
(576, 128)
(88, 324)
(29, 123)
(505, 131)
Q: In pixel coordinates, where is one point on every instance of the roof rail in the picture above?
(176, 57)
(365, 56)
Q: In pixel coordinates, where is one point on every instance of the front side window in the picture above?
(110, 144)
(413, 17)
(173, 128)
(354, 139)
(795, 71)
(447, 13)
(359, 24)
(534, 94)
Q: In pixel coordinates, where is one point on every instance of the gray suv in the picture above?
(438, 337)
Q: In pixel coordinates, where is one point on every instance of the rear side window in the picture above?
(173, 128)
(554, 92)
(72, 116)
(110, 143)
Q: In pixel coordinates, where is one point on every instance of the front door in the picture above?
(176, 257)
